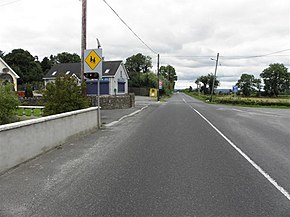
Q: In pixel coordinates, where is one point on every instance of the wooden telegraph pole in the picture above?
(84, 36)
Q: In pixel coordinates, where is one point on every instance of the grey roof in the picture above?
(109, 69)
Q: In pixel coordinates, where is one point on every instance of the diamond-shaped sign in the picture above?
(93, 60)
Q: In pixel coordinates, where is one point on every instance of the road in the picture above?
(180, 158)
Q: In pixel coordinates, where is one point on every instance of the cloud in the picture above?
(186, 33)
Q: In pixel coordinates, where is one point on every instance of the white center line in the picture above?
(256, 166)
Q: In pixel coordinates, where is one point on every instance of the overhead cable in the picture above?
(129, 27)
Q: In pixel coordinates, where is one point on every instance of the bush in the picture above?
(63, 96)
(29, 91)
(8, 104)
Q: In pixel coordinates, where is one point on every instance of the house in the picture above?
(7, 74)
(114, 77)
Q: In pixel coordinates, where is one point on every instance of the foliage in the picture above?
(63, 96)
(138, 63)
(8, 104)
(2, 54)
(276, 79)
(247, 84)
(46, 64)
(66, 57)
(207, 81)
(28, 91)
(168, 73)
(25, 65)
(147, 79)
(243, 101)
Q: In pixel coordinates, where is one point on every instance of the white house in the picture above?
(7, 74)
(114, 77)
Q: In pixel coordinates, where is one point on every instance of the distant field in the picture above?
(279, 102)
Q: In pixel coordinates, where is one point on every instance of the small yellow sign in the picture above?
(93, 59)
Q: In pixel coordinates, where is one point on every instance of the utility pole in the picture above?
(213, 80)
(158, 94)
(84, 36)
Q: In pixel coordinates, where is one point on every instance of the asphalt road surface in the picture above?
(180, 158)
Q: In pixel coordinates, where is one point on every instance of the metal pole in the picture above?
(158, 93)
(84, 36)
(99, 107)
(213, 80)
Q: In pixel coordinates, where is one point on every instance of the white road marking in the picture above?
(126, 116)
(256, 166)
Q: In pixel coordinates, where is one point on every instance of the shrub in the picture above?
(63, 96)
(8, 104)
(29, 91)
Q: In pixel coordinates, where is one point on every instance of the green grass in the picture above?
(259, 102)
(29, 112)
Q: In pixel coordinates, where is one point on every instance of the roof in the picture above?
(10, 69)
(109, 69)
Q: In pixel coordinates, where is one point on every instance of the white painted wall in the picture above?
(121, 70)
(11, 72)
(24, 140)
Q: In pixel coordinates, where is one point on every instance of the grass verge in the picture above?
(262, 102)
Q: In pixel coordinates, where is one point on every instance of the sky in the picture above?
(187, 34)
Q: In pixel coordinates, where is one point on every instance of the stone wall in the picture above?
(115, 102)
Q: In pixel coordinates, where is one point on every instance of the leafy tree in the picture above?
(66, 57)
(207, 80)
(258, 85)
(168, 72)
(276, 79)
(204, 80)
(8, 104)
(138, 63)
(1, 54)
(148, 79)
(46, 64)
(247, 84)
(210, 82)
(63, 96)
(25, 65)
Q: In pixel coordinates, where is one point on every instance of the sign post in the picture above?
(93, 68)
(235, 90)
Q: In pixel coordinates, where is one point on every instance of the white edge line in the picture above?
(126, 116)
(256, 166)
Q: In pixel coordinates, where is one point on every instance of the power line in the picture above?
(233, 57)
(129, 27)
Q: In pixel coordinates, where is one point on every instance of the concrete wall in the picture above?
(24, 140)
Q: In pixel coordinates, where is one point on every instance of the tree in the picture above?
(66, 57)
(247, 84)
(258, 85)
(63, 96)
(204, 80)
(25, 65)
(168, 72)
(8, 104)
(210, 82)
(46, 64)
(1, 54)
(138, 63)
(148, 79)
(276, 79)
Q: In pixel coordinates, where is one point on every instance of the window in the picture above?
(54, 73)
(121, 87)
(67, 72)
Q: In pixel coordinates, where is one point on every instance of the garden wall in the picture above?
(24, 140)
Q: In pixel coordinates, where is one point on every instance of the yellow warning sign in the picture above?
(93, 59)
